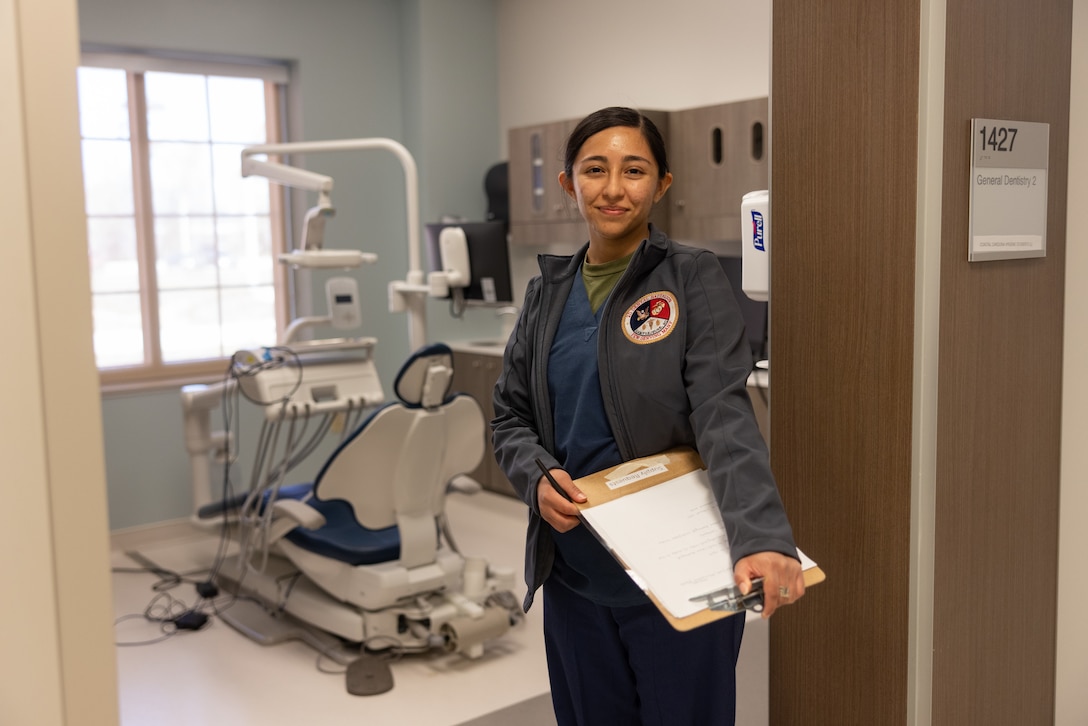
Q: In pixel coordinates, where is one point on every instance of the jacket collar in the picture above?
(556, 268)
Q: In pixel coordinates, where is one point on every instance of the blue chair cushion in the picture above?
(344, 539)
(233, 504)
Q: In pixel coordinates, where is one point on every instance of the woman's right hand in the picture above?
(556, 510)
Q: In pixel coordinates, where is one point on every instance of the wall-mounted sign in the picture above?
(1009, 162)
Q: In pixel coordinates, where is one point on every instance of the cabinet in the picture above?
(476, 374)
(540, 211)
(535, 194)
(718, 154)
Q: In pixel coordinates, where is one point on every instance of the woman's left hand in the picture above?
(783, 582)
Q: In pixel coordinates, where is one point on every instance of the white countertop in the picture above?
(493, 347)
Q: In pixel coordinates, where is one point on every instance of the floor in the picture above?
(215, 675)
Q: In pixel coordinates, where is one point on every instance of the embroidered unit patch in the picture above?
(651, 318)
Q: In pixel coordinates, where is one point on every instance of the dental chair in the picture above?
(365, 553)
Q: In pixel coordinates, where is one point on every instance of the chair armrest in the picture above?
(290, 513)
(302, 513)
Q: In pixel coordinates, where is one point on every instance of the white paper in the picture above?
(672, 536)
(672, 539)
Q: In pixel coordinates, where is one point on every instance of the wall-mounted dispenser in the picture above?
(755, 231)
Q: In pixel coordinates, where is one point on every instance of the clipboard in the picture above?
(678, 480)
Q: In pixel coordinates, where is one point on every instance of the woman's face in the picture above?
(615, 183)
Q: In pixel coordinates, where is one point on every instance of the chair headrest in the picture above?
(426, 377)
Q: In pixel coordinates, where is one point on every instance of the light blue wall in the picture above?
(422, 72)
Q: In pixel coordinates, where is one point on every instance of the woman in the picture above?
(632, 346)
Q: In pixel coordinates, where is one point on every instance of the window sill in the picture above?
(114, 383)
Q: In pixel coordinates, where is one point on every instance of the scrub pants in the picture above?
(627, 666)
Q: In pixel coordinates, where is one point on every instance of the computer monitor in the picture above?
(488, 259)
(753, 311)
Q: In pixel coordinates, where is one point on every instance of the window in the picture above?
(182, 248)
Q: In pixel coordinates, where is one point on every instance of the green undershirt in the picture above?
(600, 279)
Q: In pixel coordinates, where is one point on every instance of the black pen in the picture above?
(555, 484)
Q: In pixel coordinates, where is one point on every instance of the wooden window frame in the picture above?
(154, 373)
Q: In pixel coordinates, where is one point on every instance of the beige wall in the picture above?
(1071, 700)
(56, 636)
(28, 628)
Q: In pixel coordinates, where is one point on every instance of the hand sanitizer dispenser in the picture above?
(755, 245)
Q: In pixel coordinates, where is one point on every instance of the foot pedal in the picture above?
(369, 675)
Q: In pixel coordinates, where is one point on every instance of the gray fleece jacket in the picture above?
(674, 365)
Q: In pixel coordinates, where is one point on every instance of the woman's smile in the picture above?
(616, 183)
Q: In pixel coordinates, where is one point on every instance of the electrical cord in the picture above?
(172, 614)
(229, 407)
(207, 588)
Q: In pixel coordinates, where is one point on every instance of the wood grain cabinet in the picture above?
(540, 211)
(718, 154)
(535, 194)
(476, 374)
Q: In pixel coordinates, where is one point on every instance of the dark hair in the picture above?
(607, 118)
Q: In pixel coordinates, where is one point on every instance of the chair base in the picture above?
(376, 586)
(450, 621)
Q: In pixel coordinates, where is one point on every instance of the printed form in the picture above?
(672, 540)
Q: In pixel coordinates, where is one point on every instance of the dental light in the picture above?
(311, 252)
(408, 295)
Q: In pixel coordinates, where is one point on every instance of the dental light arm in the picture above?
(408, 295)
(287, 175)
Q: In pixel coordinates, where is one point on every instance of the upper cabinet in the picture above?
(540, 211)
(716, 153)
(535, 194)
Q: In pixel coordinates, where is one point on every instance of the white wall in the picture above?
(565, 58)
(1071, 701)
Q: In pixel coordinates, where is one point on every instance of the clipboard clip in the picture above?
(730, 599)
